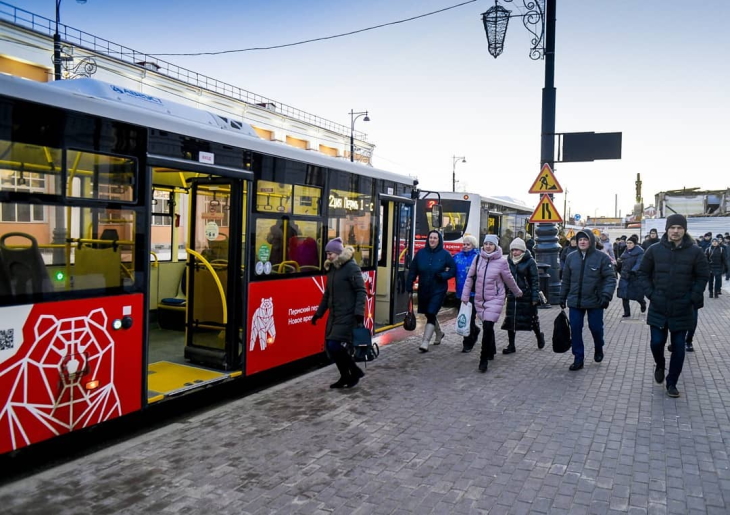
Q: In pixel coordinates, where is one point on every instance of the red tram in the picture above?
(148, 248)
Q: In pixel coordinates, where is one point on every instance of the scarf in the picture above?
(518, 259)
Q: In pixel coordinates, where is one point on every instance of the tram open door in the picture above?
(395, 252)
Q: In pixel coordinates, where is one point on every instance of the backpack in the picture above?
(362, 347)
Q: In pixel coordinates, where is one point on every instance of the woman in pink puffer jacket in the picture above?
(493, 277)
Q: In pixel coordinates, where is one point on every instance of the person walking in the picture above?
(434, 266)
(629, 287)
(463, 261)
(587, 287)
(566, 251)
(489, 274)
(606, 246)
(716, 258)
(653, 238)
(344, 297)
(522, 312)
(673, 274)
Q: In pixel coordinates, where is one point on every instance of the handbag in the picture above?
(463, 320)
(363, 348)
(561, 333)
(409, 322)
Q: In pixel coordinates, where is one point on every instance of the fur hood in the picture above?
(340, 260)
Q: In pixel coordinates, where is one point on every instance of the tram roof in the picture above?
(99, 98)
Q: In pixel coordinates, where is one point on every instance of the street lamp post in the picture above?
(540, 22)
(455, 160)
(57, 58)
(354, 116)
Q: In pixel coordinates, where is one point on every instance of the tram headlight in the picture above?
(117, 324)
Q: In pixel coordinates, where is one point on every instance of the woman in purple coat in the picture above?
(491, 274)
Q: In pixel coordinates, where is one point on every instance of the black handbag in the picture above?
(409, 322)
(561, 333)
(363, 347)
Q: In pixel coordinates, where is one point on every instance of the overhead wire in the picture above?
(273, 47)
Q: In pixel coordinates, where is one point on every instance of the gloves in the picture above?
(562, 304)
(359, 319)
(605, 303)
(315, 318)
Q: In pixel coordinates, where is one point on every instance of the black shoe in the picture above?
(689, 347)
(341, 383)
(541, 341)
(672, 391)
(466, 349)
(598, 356)
(352, 382)
(627, 315)
(670, 348)
(509, 349)
(483, 366)
(643, 308)
(577, 365)
(659, 375)
(710, 294)
(358, 372)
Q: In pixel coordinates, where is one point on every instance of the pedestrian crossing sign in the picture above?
(546, 182)
(545, 212)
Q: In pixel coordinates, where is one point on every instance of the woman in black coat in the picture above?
(522, 311)
(629, 287)
(344, 297)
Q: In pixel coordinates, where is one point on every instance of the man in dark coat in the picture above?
(674, 274)
(344, 297)
(653, 238)
(629, 287)
(434, 266)
(587, 287)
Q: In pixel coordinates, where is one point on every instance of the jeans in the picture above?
(717, 279)
(658, 340)
(691, 332)
(595, 324)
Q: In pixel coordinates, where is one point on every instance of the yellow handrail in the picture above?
(215, 277)
(157, 261)
(292, 264)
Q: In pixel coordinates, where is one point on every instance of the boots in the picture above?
(344, 369)
(427, 334)
(439, 334)
(356, 373)
(511, 346)
(540, 339)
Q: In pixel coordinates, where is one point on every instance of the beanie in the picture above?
(491, 238)
(719, 236)
(335, 246)
(634, 238)
(518, 243)
(708, 234)
(677, 219)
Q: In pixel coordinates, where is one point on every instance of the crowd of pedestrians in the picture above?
(665, 275)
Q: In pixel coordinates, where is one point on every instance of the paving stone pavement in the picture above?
(430, 434)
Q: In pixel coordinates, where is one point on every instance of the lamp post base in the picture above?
(547, 251)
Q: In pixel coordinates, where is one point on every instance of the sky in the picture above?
(657, 71)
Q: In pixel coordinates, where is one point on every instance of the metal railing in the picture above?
(70, 35)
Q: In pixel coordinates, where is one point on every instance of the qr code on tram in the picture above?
(7, 339)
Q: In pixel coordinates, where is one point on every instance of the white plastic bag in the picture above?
(463, 320)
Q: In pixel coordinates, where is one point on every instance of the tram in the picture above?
(148, 249)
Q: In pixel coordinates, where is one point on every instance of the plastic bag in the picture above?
(463, 320)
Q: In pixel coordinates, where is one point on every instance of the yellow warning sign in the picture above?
(546, 182)
(545, 212)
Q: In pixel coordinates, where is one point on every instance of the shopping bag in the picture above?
(561, 333)
(463, 320)
(409, 322)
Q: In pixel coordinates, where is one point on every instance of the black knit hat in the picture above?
(677, 219)
(634, 238)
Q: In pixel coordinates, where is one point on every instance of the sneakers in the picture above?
(672, 391)
(659, 375)
(598, 355)
(577, 365)
(689, 347)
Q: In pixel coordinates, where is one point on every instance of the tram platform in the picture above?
(427, 433)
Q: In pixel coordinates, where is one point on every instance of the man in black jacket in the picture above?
(674, 274)
(587, 287)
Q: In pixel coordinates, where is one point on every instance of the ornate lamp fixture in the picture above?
(496, 20)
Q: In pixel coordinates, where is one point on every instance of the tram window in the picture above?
(307, 200)
(98, 176)
(29, 168)
(273, 197)
(290, 245)
(351, 216)
(70, 250)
